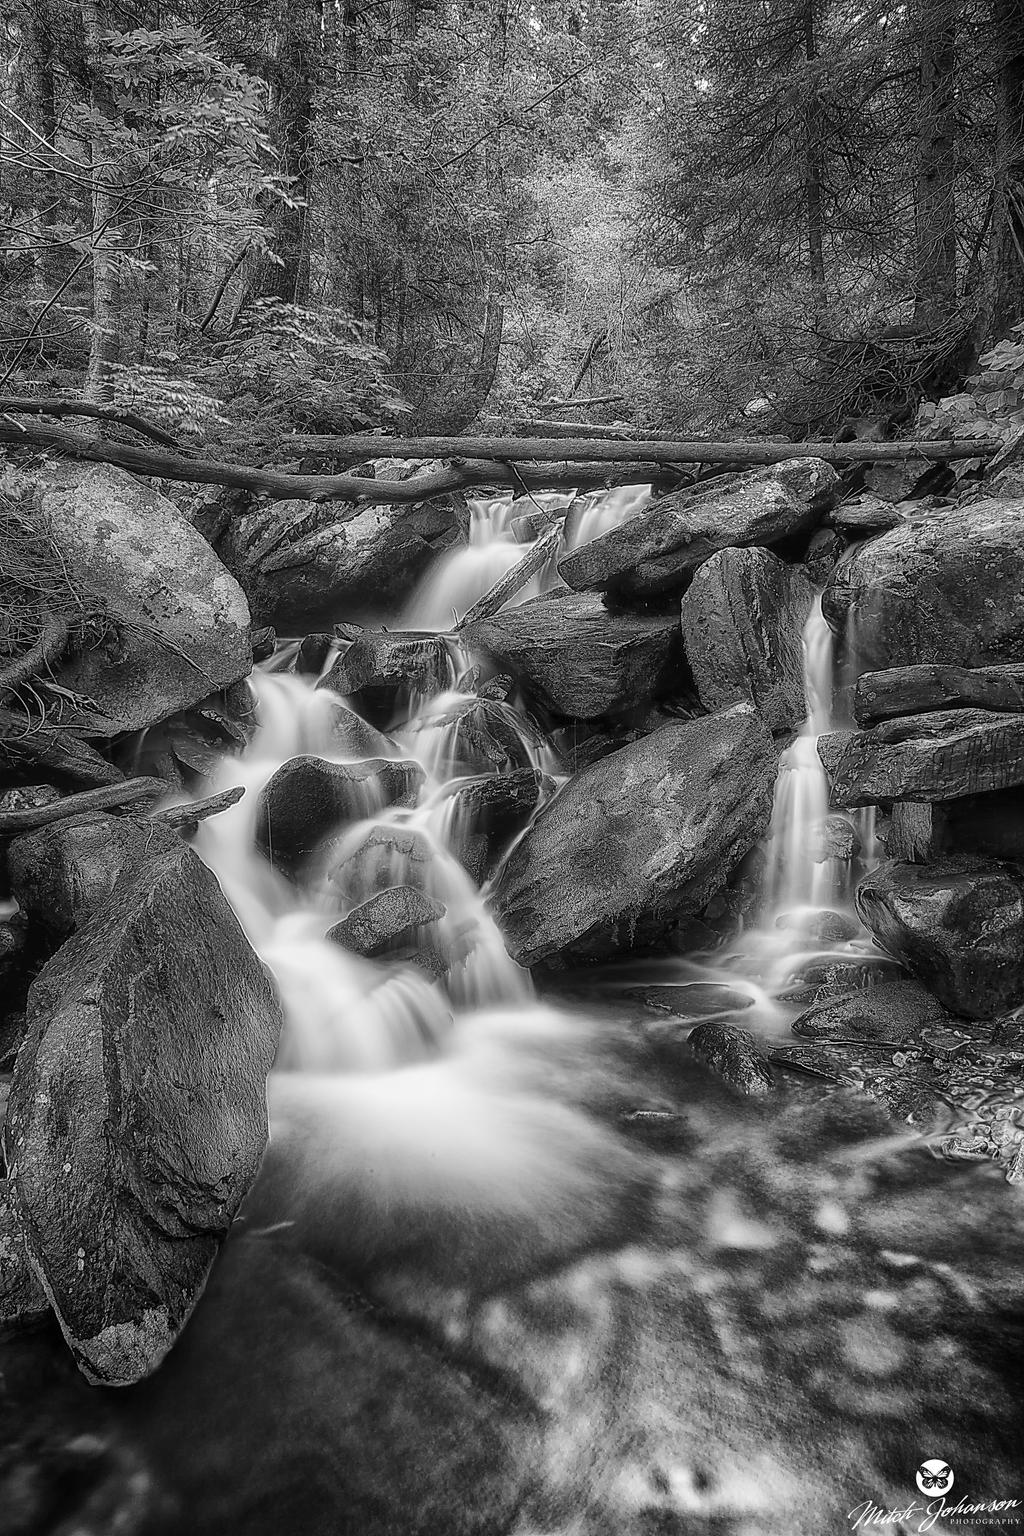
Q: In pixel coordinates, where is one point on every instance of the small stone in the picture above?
(735, 1055)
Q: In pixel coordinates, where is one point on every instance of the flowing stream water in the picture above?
(724, 1318)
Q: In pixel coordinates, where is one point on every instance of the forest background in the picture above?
(244, 220)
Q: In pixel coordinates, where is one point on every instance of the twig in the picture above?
(197, 810)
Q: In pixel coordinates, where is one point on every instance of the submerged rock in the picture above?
(657, 549)
(735, 1055)
(575, 658)
(637, 842)
(300, 562)
(947, 588)
(386, 921)
(892, 1011)
(958, 925)
(742, 618)
(308, 799)
(939, 756)
(386, 856)
(486, 813)
(919, 690)
(177, 623)
(695, 999)
(468, 735)
(137, 1117)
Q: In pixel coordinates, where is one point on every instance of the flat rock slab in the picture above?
(694, 999)
(918, 690)
(575, 658)
(742, 620)
(656, 550)
(638, 841)
(735, 1056)
(957, 924)
(940, 756)
(893, 1011)
(947, 588)
(386, 920)
(308, 799)
(137, 1116)
(182, 620)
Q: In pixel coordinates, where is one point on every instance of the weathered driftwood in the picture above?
(514, 580)
(40, 657)
(25, 741)
(930, 686)
(939, 756)
(359, 447)
(187, 816)
(112, 797)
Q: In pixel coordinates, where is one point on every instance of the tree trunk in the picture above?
(813, 165)
(105, 344)
(936, 287)
(297, 66)
(1006, 248)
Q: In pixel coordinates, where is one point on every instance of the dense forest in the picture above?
(240, 221)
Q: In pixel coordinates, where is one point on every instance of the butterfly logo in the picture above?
(934, 1477)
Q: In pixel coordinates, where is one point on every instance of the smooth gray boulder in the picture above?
(742, 619)
(179, 623)
(137, 1117)
(947, 588)
(302, 563)
(638, 841)
(918, 690)
(657, 548)
(573, 657)
(958, 925)
(939, 756)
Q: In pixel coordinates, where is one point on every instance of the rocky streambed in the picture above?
(700, 1240)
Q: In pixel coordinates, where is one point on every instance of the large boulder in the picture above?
(658, 548)
(177, 624)
(63, 873)
(947, 588)
(892, 1010)
(638, 841)
(308, 799)
(575, 658)
(137, 1116)
(743, 618)
(958, 925)
(302, 562)
(921, 689)
(385, 669)
(938, 756)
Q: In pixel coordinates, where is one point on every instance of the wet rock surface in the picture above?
(23, 1302)
(638, 841)
(657, 549)
(742, 618)
(299, 562)
(575, 658)
(939, 756)
(137, 1114)
(920, 690)
(474, 735)
(386, 921)
(379, 664)
(735, 1055)
(958, 925)
(944, 589)
(890, 1011)
(309, 800)
(383, 857)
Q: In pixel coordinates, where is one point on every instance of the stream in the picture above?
(517, 1262)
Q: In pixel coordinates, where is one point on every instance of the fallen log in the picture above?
(514, 580)
(112, 797)
(61, 405)
(29, 742)
(357, 448)
(360, 490)
(187, 817)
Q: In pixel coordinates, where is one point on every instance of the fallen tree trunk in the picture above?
(114, 797)
(361, 490)
(186, 818)
(59, 405)
(514, 580)
(360, 447)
